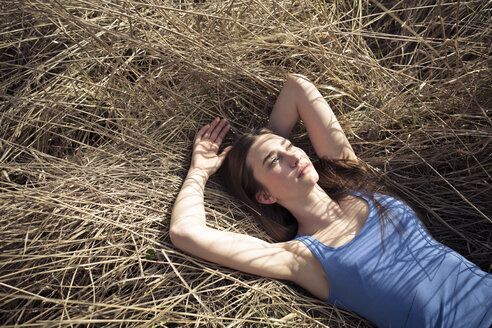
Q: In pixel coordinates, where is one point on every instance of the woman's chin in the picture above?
(311, 176)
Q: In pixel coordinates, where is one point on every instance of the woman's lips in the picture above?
(303, 170)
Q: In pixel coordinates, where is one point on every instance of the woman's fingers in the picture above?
(202, 131)
(218, 131)
(213, 124)
(224, 153)
(215, 131)
(222, 133)
(213, 134)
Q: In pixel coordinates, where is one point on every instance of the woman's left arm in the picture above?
(300, 99)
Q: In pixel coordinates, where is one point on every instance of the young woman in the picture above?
(345, 244)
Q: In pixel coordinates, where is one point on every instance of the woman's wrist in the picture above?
(196, 172)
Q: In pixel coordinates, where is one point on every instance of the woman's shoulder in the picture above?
(382, 198)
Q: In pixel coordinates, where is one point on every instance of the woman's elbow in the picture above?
(178, 237)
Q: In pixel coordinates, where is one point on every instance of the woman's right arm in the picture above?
(300, 99)
(188, 229)
(189, 232)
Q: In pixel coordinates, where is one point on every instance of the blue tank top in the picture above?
(409, 279)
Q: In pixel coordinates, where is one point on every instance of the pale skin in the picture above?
(290, 180)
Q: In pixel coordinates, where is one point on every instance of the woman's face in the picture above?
(284, 170)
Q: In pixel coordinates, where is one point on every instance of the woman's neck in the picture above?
(314, 212)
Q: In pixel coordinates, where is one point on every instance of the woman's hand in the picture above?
(206, 146)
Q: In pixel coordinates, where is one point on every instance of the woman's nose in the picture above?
(294, 159)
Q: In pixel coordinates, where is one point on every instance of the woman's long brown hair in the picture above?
(336, 177)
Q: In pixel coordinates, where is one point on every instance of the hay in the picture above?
(100, 102)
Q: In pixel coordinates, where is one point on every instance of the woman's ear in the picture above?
(264, 197)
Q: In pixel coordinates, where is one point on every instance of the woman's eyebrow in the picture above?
(270, 154)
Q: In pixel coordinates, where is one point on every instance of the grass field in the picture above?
(99, 104)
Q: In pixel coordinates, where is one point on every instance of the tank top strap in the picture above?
(364, 196)
(315, 246)
(370, 201)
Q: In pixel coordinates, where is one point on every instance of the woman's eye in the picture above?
(290, 146)
(274, 160)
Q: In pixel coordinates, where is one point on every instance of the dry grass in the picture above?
(100, 101)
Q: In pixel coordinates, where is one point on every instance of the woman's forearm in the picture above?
(285, 113)
(189, 209)
(300, 99)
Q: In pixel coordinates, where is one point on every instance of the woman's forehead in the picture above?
(262, 146)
